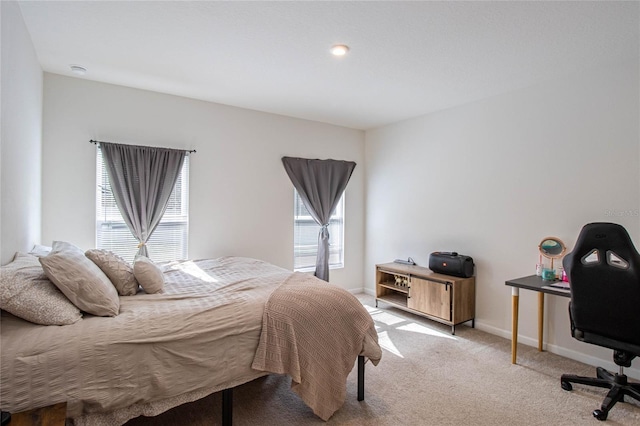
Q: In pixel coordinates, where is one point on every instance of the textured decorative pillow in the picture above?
(119, 271)
(81, 280)
(148, 274)
(26, 292)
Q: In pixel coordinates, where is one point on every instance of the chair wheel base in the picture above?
(566, 386)
(600, 415)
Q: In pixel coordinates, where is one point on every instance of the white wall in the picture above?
(21, 136)
(241, 199)
(492, 178)
(489, 179)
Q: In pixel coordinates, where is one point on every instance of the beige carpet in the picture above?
(427, 377)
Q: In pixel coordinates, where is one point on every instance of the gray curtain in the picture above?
(142, 179)
(320, 184)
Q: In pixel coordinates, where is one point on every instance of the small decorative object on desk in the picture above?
(548, 274)
(539, 266)
(552, 248)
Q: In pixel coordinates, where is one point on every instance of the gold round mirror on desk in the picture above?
(552, 248)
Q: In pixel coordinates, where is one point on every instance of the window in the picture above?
(170, 239)
(305, 236)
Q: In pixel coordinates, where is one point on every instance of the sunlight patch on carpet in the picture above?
(385, 342)
(387, 318)
(417, 328)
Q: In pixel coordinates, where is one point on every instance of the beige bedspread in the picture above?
(198, 337)
(314, 331)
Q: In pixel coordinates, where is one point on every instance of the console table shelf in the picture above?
(443, 298)
(394, 299)
(394, 287)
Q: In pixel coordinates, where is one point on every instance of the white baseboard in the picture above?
(633, 372)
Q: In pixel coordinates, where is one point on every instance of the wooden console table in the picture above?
(416, 289)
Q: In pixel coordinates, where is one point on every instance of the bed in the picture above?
(217, 324)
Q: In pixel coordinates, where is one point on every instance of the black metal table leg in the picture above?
(227, 407)
(360, 378)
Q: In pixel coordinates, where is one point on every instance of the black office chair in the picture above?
(604, 274)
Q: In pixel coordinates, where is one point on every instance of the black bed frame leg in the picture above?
(227, 407)
(360, 377)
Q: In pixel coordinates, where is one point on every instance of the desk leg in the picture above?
(515, 294)
(540, 319)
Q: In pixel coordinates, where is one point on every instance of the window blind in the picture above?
(305, 236)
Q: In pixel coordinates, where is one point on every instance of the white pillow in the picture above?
(119, 271)
(148, 275)
(40, 251)
(81, 280)
(26, 292)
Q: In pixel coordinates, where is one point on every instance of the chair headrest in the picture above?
(606, 243)
(605, 235)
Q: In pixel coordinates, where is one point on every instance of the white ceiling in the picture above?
(407, 58)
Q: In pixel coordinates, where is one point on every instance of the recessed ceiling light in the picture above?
(78, 70)
(339, 50)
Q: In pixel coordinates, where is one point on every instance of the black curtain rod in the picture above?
(95, 142)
